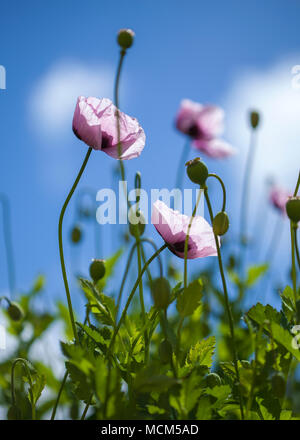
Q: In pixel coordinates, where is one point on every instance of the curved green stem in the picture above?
(296, 246)
(13, 393)
(8, 241)
(223, 189)
(59, 395)
(297, 185)
(294, 275)
(60, 241)
(87, 407)
(227, 304)
(121, 320)
(129, 260)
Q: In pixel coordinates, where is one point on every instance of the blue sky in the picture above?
(232, 53)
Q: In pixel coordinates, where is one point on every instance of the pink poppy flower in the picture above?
(205, 125)
(173, 226)
(279, 197)
(95, 123)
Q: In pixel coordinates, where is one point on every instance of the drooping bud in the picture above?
(161, 293)
(97, 270)
(15, 311)
(293, 208)
(125, 38)
(76, 234)
(213, 380)
(197, 171)
(221, 223)
(165, 351)
(136, 223)
(254, 119)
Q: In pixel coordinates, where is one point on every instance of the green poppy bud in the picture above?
(136, 223)
(15, 311)
(278, 385)
(221, 223)
(254, 119)
(125, 38)
(161, 292)
(293, 208)
(165, 351)
(197, 171)
(213, 380)
(97, 270)
(76, 234)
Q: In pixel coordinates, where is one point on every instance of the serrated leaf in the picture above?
(190, 298)
(201, 354)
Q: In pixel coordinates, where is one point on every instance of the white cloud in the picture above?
(271, 92)
(52, 100)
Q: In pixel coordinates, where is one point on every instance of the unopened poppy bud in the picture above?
(293, 208)
(125, 38)
(85, 213)
(136, 223)
(76, 234)
(15, 312)
(165, 351)
(254, 119)
(221, 223)
(197, 171)
(97, 270)
(161, 293)
(213, 380)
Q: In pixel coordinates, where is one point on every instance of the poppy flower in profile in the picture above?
(95, 123)
(173, 226)
(278, 198)
(204, 125)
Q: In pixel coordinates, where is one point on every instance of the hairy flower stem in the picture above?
(129, 260)
(245, 197)
(8, 242)
(58, 395)
(227, 305)
(60, 241)
(121, 320)
(296, 247)
(13, 393)
(141, 291)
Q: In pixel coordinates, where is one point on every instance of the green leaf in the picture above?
(190, 298)
(288, 303)
(201, 354)
(254, 273)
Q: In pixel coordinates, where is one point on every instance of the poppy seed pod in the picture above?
(15, 312)
(254, 119)
(293, 208)
(125, 38)
(136, 228)
(213, 380)
(76, 234)
(161, 293)
(221, 223)
(97, 270)
(165, 351)
(197, 171)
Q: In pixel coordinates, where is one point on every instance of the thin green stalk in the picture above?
(13, 393)
(296, 246)
(87, 407)
(227, 305)
(121, 320)
(8, 242)
(294, 275)
(60, 241)
(223, 188)
(245, 196)
(59, 395)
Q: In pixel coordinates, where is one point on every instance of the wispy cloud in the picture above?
(53, 98)
(271, 92)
